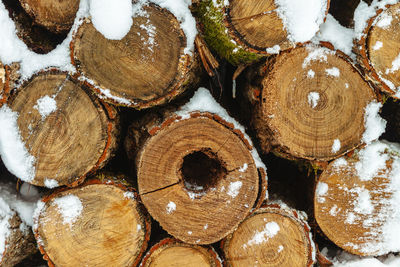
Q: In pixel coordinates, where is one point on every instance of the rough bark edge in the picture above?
(252, 96)
(284, 211)
(189, 64)
(26, 244)
(360, 49)
(5, 91)
(171, 241)
(110, 113)
(100, 179)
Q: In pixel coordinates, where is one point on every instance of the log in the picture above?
(171, 252)
(378, 48)
(243, 32)
(356, 200)
(149, 65)
(273, 235)
(4, 83)
(100, 223)
(56, 16)
(194, 168)
(67, 130)
(307, 103)
(16, 239)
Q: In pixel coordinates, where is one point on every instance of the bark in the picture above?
(187, 169)
(171, 251)
(56, 16)
(306, 100)
(75, 137)
(4, 83)
(112, 228)
(20, 242)
(148, 68)
(242, 32)
(378, 48)
(273, 235)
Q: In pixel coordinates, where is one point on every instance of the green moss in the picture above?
(217, 37)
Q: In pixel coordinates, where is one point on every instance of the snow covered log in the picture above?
(100, 223)
(378, 49)
(356, 200)
(195, 167)
(58, 132)
(274, 235)
(308, 102)
(16, 238)
(171, 252)
(150, 65)
(244, 31)
(56, 16)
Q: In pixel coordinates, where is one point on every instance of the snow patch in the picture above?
(50, 183)
(5, 228)
(269, 231)
(129, 195)
(384, 20)
(378, 45)
(70, 208)
(45, 105)
(336, 145)
(313, 98)
(13, 152)
(171, 207)
(316, 54)
(234, 188)
(243, 168)
(334, 72)
(395, 65)
(374, 124)
(321, 190)
(310, 74)
(273, 50)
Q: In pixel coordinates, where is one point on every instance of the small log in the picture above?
(67, 130)
(100, 223)
(195, 169)
(16, 239)
(171, 252)
(56, 16)
(356, 200)
(378, 49)
(274, 235)
(307, 103)
(243, 32)
(147, 67)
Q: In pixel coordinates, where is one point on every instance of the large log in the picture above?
(149, 66)
(100, 223)
(57, 16)
(16, 238)
(274, 235)
(171, 252)
(356, 200)
(67, 131)
(378, 49)
(245, 31)
(194, 167)
(307, 103)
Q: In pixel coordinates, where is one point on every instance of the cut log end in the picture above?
(170, 251)
(312, 103)
(354, 201)
(56, 16)
(63, 127)
(100, 223)
(199, 171)
(148, 67)
(380, 49)
(271, 236)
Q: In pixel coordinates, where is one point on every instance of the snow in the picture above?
(336, 146)
(395, 65)
(129, 195)
(171, 207)
(372, 161)
(316, 54)
(70, 208)
(280, 248)
(378, 45)
(13, 152)
(46, 105)
(5, 215)
(244, 167)
(202, 101)
(321, 190)
(310, 74)
(50, 183)
(384, 20)
(112, 18)
(334, 210)
(234, 188)
(363, 203)
(374, 124)
(273, 50)
(313, 98)
(138, 227)
(269, 231)
(334, 72)
(301, 18)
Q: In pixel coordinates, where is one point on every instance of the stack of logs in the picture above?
(139, 180)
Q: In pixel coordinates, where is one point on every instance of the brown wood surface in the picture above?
(285, 118)
(112, 229)
(76, 138)
(147, 67)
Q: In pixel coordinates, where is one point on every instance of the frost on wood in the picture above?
(13, 152)
(70, 208)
